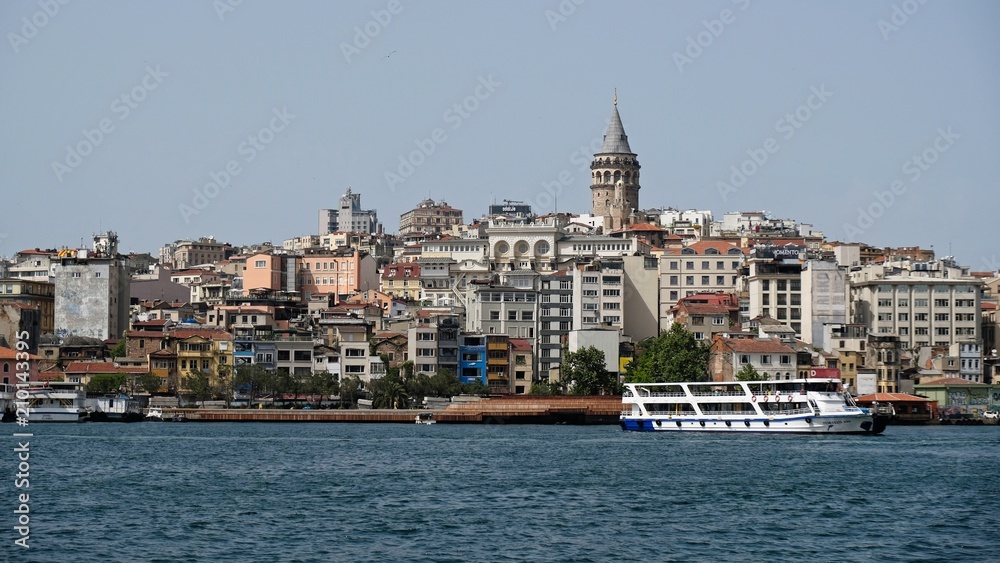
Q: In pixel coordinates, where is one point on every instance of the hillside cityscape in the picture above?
(499, 300)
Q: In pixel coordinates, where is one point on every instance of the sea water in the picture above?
(391, 492)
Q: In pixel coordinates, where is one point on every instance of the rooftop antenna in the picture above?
(616, 97)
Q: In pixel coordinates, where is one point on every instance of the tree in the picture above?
(545, 388)
(673, 356)
(323, 384)
(350, 390)
(585, 368)
(749, 373)
(106, 383)
(119, 350)
(389, 392)
(199, 385)
(149, 382)
(255, 381)
(224, 383)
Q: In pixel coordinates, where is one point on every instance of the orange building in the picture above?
(341, 273)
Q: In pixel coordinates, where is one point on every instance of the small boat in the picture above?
(179, 417)
(154, 414)
(121, 408)
(56, 401)
(805, 406)
(425, 418)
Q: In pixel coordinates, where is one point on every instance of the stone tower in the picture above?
(614, 187)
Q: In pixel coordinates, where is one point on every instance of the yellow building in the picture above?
(205, 351)
(402, 281)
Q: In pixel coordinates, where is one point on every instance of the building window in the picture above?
(744, 359)
(260, 264)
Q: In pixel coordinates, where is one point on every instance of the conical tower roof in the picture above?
(615, 139)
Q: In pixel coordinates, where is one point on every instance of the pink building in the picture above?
(8, 366)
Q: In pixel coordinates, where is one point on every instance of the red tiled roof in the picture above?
(520, 344)
(399, 270)
(723, 247)
(887, 397)
(11, 354)
(707, 308)
(202, 332)
(145, 334)
(101, 367)
(987, 306)
(641, 227)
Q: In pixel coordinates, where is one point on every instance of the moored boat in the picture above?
(8, 393)
(154, 414)
(425, 418)
(121, 408)
(56, 401)
(807, 406)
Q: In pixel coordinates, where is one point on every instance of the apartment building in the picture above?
(702, 267)
(429, 217)
(205, 250)
(35, 294)
(929, 304)
(402, 281)
(92, 291)
(774, 284)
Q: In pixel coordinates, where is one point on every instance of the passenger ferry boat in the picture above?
(805, 406)
(56, 401)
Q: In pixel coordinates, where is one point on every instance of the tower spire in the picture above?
(616, 97)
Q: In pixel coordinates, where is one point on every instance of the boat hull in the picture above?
(850, 424)
(56, 416)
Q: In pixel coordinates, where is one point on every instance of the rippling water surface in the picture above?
(364, 492)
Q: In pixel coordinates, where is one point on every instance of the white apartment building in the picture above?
(926, 304)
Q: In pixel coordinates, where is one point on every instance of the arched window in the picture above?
(618, 176)
(6, 368)
(607, 177)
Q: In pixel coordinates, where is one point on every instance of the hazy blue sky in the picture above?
(518, 92)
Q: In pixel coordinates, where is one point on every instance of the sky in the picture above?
(873, 121)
